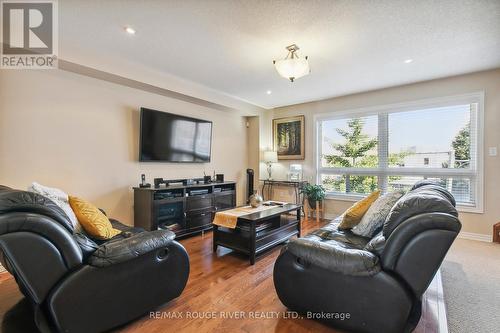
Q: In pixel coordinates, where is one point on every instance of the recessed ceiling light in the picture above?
(407, 61)
(269, 92)
(130, 30)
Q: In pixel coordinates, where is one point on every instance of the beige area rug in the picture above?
(2, 269)
(471, 284)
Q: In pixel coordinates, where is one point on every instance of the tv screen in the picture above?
(172, 138)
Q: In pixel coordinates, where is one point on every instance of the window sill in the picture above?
(357, 197)
(470, 209)
(345, 197)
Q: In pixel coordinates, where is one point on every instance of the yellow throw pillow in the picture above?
(353, 215)
(93, 221)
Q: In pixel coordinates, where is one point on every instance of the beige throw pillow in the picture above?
(375, 216)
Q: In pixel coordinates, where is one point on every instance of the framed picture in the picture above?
(288, 138)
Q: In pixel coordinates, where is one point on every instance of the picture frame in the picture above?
(289, 137)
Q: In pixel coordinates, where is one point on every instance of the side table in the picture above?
(496, 233)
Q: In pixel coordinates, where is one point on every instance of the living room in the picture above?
(260, 166)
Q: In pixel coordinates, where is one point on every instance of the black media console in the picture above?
(184, 209)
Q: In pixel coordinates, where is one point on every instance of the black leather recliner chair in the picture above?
(77, 285)
(331, 274)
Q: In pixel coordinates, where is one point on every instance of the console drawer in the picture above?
(199, 220)
(199, 202)
(224, 200)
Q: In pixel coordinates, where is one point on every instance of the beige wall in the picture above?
(81, 134)
(488, 81)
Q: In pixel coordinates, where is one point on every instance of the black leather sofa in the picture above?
(371, 285)
(76, 284)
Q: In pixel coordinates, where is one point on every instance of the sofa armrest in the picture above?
(334, 257)
(115, 252)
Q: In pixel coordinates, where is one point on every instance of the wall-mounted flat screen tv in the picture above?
(167, 137)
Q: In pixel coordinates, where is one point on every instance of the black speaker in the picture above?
(249, 183)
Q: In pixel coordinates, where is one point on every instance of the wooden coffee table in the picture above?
(260, 231)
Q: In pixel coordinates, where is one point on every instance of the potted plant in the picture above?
(313, 193)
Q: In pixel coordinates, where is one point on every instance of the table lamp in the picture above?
(270, 157)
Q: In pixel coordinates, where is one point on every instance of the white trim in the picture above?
(480, 156)
(316, 156)
(441, 305)
(476, 237)
(471, 208)
(474, 97)
(353, 197)
(332, 216)
(451, 172)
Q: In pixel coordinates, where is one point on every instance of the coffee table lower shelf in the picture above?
(256, 233)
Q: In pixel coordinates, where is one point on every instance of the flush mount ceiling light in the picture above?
(292, 67)
(130, 30)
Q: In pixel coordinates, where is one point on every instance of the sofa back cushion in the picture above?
(60, 198)
(435, 185)
(28, 202)
(424, 199)
(377, 244)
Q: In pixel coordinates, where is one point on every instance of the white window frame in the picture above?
(476, 171)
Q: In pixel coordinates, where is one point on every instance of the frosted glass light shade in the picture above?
(270, 157)
(292, 68)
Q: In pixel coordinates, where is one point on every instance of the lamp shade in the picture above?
(270, 156)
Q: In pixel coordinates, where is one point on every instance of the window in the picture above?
(390, 148)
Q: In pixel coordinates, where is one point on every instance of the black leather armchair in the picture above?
(371, 285)
(76, 284)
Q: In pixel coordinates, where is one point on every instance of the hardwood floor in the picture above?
(220, 285)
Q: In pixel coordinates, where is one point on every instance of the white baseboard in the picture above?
(330, 216)
(476, 237)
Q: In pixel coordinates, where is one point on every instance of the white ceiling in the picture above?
(228, 45)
